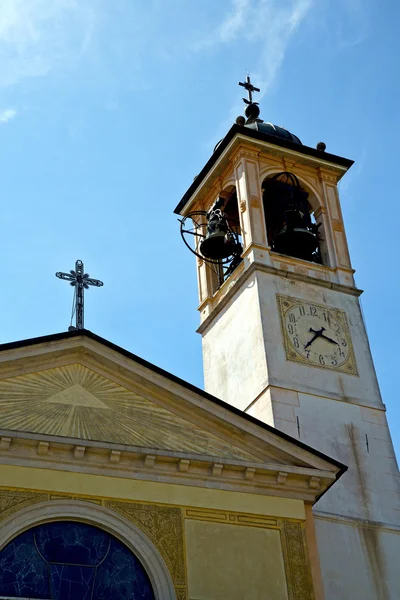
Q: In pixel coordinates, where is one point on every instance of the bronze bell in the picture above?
(219, 243)
(297, 238)
(288, 216)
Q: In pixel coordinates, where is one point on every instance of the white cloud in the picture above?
(7, 114)
(270, 24)
(354, 21)
(37, 36)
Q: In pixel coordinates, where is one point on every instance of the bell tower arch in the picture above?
(284, 338)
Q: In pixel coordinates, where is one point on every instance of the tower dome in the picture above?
(275, 130)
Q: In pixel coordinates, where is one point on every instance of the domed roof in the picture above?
(271, 129)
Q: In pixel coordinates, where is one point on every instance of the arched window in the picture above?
(290, 221)
(68, 560)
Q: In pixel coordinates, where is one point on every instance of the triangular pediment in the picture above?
(79, 389)
(76, 402)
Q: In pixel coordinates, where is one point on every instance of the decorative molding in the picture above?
(204, 514)
(176, 468)
(288, 164)
(183, 465)
(224, 295)
(314, 483)
(249, 473)
(217, 469)
(242, 206)
(12, 501)
(158, 525)
(164, 527)
(243, 152)
(5, 442)
(281, 478)
(73, 402)
(41, 509)
(300, 269)
(115, 456)
(150, 461)
(42, 448)
(286, 304)
(337, 225)
(79, 452)
(298, 573)
(327, 176)
(255, 202)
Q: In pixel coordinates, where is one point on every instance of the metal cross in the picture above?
(250, 88)
(80, 281)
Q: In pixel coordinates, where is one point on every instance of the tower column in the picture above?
(247, 176)
(334, 232)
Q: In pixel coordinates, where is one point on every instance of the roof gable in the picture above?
(75, 396)
(73, 401)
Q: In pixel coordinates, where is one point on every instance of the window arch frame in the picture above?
(318, 207)
(98, 516)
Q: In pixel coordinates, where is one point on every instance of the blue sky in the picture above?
(109, 109)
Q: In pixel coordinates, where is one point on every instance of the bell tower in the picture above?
(284, 338)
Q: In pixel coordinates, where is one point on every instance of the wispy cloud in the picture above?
(268, 24)
(7, 114)
(353, 22)
(38, 35)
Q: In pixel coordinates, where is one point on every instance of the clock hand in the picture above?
(310, 342)
(316, 335)
(329, 339)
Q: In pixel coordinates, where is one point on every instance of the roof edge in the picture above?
(258, 135)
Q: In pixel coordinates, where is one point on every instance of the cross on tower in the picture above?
(250, 89)
(80, 281)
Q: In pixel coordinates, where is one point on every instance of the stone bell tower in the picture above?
(284, 338)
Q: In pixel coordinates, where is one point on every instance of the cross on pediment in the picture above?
(80, 281)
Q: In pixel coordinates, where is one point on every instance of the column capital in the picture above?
(327, 176)
(243, 152)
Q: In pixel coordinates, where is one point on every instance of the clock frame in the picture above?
(332, 346)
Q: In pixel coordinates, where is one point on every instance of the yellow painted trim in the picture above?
(62, 482)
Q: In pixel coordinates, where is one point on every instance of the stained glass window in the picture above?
(68, 560)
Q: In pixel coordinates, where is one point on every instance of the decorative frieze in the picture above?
(298, 573)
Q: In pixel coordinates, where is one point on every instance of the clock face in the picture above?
(316, 335)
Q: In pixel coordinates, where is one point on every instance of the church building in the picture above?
(120, 481)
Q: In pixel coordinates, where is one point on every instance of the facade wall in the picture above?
(215, 545)
(367, 565)
(238, 566)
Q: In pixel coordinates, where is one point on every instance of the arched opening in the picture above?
(214, 236)
(292, 227)
(67, 560)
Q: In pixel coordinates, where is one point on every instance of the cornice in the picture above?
(261, 267)
(259, 142)
(111, 460)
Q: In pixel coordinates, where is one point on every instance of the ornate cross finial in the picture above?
(250, 89)
(80, 281)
